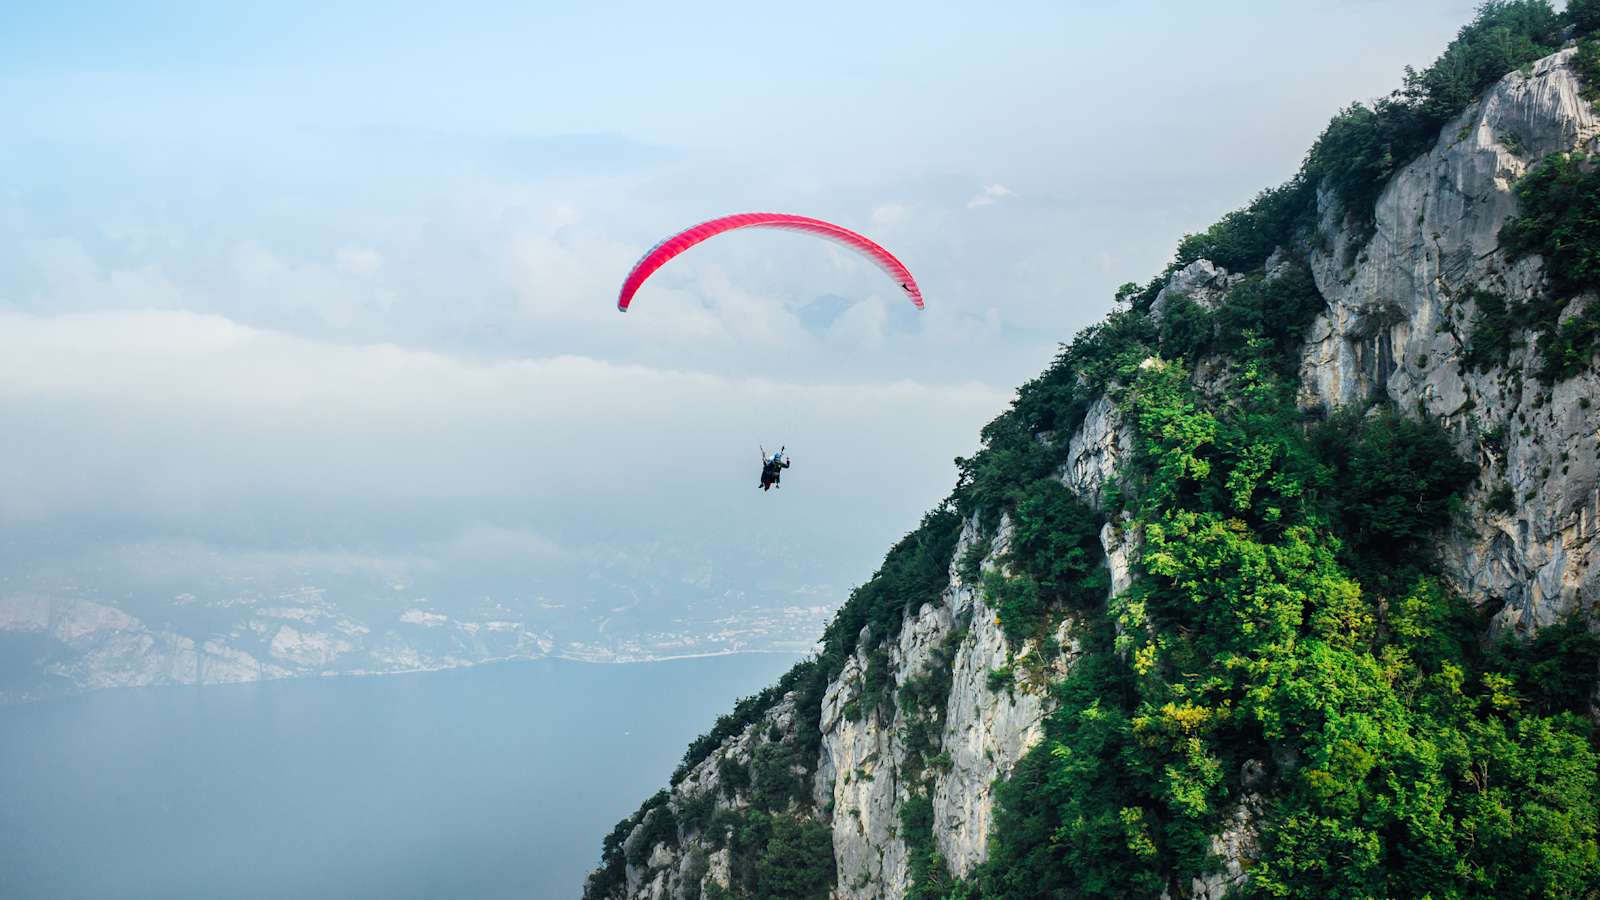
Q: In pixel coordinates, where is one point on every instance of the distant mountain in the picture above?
(199, 625)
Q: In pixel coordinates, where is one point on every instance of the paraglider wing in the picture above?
(661, 253)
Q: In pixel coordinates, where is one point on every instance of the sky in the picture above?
(332, 285)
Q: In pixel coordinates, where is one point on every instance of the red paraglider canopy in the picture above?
(683, 240)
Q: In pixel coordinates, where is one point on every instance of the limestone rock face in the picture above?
(1099, 446)
(1400, 308)
(1202, 281)
(988, 727)
(865, 753)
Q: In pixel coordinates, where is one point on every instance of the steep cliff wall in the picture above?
(912, 732)
(1401, 307)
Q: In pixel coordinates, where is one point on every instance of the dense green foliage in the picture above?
(1279, 310)
(781, 856)
(1587, 63)
(659, 824)
(1560, 659)
(1398, 479)
(1391, 756)
(1584, 15)
(774, 857)
(1494, 331)
(780, 775)
(1249, 615)
(1029, 441)
(1559, 220)
(1364, 145)
(1057, 560)
(930, 875)
(1243, 239)
(745, 712)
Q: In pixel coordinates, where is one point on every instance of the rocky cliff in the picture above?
(1398, 324)
(896, 783)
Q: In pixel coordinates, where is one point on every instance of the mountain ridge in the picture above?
(1290, 560)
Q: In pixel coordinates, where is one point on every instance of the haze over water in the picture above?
(495, 781)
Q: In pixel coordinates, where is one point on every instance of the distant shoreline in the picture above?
(26, 700)
(654, 659)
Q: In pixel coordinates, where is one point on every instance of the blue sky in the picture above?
(292, 277)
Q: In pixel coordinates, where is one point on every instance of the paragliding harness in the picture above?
(772, 468)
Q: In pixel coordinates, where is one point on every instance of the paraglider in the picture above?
(661, 253)
(772, 468)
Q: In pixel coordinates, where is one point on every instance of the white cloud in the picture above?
(863, 324)
(358, 260)
(69, 277)
(174, 422)
(989, 195)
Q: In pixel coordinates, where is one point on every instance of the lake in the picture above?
(493, 781)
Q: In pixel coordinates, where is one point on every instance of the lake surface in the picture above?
(494, 781)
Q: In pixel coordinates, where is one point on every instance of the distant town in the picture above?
(67, 644)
